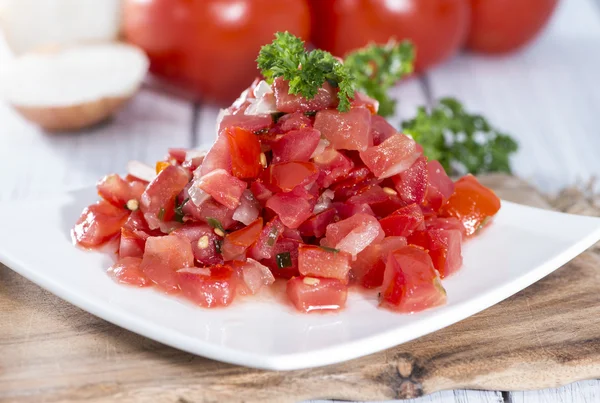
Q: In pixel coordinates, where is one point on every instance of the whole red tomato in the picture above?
(210, 46)
(499, 26)
(438, 28)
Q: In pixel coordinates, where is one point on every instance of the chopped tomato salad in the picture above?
(292, 190)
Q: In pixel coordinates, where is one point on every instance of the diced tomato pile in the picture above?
(297, 191)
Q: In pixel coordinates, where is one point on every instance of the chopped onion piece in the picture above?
(191, 154)
(261, 89)
(141, 171)
(248, 210)
(324, 201)
(204, 271)
(323, 144)
(261, 106)
(220, 116)
(197, 195)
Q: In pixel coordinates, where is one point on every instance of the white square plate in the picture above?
(521, 246)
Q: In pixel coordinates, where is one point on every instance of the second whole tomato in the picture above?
(210, 46)
(500, 26)
(437, 28)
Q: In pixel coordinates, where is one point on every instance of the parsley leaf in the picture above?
(460, 141)
(179, 210)
(377, 68)
(214, 223)
(305, 72)
(284, 260)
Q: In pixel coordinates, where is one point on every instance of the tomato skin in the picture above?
(472, 203)
(310, 294)
(438, 28)
(244, 149)
(210, 46)
(501, 26)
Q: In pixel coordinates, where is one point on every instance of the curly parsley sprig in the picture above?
(376, 68)
(460, 141)
(305, 71)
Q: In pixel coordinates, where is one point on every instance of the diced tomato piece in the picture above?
(358, 179)
(284, 260)
(334, 165)
(254, 275)
(411, 184)
(369, 266)
(98, 224)
(347, 210)
(178, 154)
(381, 130)
(439, 186)
(127, 271)
(236, 243)
(294, 121)
(116, 190)
(411, 283)
(363, 100)
(325, 98)
(445, 250)
(249, 208)
(252, 123)
(446, 223)
(288, 175)
(345, 130)
(137, 224)
(244, 149)
(388, 206)
(130, 244)
(316, 225)
(403, 221)
(292, 210)
(472, 203)
(204, 243)
(316, 261)
(158, 201)
(208, 287)
(223, 187)
(165, 255)
(310, 294)
(296, 145)
(354, 234)
(393, 156)
(265, 245)
(218, 157)
(210, 209)
(369, 195)
(260, 191)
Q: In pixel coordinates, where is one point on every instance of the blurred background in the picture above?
(76, 103)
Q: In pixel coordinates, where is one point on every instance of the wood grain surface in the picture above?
(547, 335)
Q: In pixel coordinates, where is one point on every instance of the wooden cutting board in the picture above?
(547, 335)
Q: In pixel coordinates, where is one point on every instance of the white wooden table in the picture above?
(547, 96)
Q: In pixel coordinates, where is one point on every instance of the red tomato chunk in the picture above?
(309, 294)
(291, 189)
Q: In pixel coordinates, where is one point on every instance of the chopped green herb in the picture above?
(214, 223)
(179, 210)
(377, 68)
(305, 72)
(218, 244)
(161, 213)
(261, 131)
(460, 141)
(272, 236)
(310, 113)
(284, 260)
(328, 249)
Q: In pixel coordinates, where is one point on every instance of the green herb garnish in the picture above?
(276, 116)
(328, 249)
(377, 68)
(460, 141)
(179, 210)
(284, 259)
(214, 223)
(305, 71)
(161, 213)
